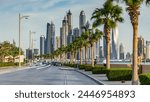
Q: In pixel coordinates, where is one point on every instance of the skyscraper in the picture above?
(115, 43)
(141, 46)
(69, 19)
(64, 33)
(82, 21)
(50, 38)
(52, 45)
(101, 52)
(121, 51)
(75, 33)
(42, 44)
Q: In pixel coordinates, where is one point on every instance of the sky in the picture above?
(42, 11)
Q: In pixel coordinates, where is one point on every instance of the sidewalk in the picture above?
(103, 79)
(12, 69)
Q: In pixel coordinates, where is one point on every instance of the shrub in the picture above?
(5, 64)
(82, 67)
(70, 65)
(99, 70)
(145, 79)
(88, 68)
(118, 74)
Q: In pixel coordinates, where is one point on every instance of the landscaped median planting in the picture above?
(88, 68)
(145, 79)
(119, 74)
(99, 70)
(82, 67)
(70, 65)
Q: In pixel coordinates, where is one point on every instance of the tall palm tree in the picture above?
(93, 38)
(108, 16)
(85, 36)
(76, 47)
(71, 50)
(133, 7)
(80, 42)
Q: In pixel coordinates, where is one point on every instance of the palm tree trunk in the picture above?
(135, 55)
(75, 56)
(71, 60)
(80, 55)
(86, 54)
(108, 50)
(92, 54)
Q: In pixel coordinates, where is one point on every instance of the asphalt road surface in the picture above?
(45, 76)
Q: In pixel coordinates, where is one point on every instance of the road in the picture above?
(45, 76)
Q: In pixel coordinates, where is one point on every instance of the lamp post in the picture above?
(20, 17)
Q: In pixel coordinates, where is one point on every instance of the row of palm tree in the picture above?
(88, 38)
(108, 16)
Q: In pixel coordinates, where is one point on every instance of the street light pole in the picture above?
(20, 17)
(19, 41)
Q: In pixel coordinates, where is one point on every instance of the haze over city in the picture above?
(41, 12)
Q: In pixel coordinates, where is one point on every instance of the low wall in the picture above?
(118, 65)
(145, 68)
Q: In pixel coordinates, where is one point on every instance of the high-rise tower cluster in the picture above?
(67, 35)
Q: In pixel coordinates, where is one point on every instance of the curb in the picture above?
(97, 81)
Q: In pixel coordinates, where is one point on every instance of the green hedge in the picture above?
(82, 67)
(118, 74)
(88, 68)
(99, 70)
(145, 79)
(6, 64)
(70, 65)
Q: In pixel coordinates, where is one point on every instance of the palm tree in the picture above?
(85, 36)
(94, 37)
(71, 50)
(80, 42)
(108, 16)
(133, 7)
(76, 47)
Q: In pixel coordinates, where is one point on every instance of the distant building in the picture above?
(29, 54)
(75, 33)
(121, 51)
(35, 52)
(50, 38)
(141, 47)
(69, 19)
(101, 52)
(128, 56)
(82, 21)
(147, 49)
(114, 54)
(42, 45)
(64, 32)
